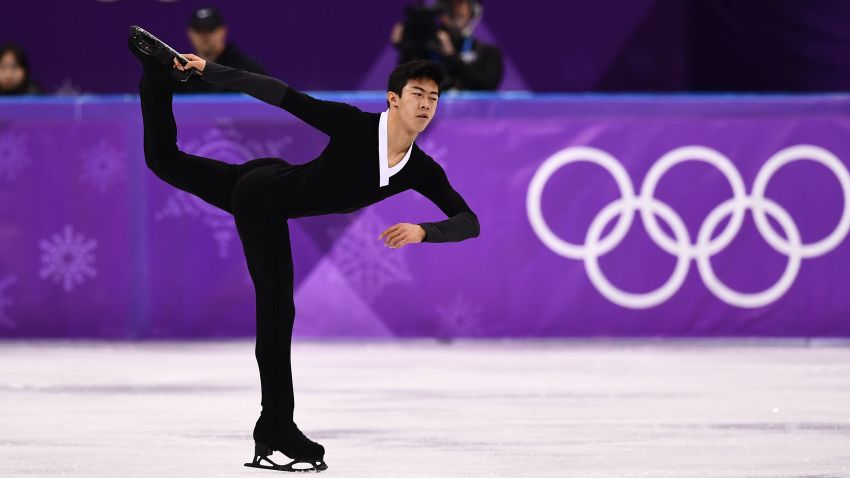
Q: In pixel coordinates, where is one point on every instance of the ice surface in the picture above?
(424, 409)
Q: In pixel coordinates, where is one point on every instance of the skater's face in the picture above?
(417, 104)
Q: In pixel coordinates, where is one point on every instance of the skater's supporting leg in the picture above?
(264, 233)
(262, 226)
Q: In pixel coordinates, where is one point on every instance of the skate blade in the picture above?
(315, 465)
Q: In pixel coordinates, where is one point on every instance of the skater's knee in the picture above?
(154, 164)
(158, 167)
(158, 159)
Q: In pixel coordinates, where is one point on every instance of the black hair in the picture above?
(21, 58)
(415, 69)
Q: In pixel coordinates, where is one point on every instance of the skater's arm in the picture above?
(264, 88)
(329, 117)
(461, 224)
(326, 116)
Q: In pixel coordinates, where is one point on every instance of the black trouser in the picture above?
(245, 191)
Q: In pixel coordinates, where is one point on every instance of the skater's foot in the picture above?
(154, 74)
(156, 57)
(290, 441)
(262, 453)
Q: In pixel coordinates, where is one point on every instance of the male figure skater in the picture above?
(370, 157)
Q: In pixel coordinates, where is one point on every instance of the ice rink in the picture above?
(427, 409)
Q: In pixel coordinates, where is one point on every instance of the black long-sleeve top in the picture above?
(231, 56)
(346, 175)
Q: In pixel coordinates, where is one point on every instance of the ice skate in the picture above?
(145, 43)
(306, 455)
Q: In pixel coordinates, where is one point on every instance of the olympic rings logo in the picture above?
(681, 245)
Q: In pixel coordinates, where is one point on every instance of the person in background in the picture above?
(443, 33)
(15, 71)
(208, 34)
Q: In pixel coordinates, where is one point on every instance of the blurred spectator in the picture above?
(208, 34)
(15, 71)
(443, 33)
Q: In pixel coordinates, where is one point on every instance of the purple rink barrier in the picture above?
(600, 216)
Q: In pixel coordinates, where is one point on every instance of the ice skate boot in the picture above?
(306, 455)
(142, 43)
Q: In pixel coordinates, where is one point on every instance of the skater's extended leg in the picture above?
(209, 179)
(206, 178)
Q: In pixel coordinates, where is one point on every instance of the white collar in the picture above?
(383, 159)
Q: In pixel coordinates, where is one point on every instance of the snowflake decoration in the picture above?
(6, 302)
(223, 145)
(103, 166)
(13, 154)
(364, 261)
(68, 257)
(459, 316)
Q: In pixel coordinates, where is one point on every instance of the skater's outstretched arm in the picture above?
(329, 117)
(461, 224)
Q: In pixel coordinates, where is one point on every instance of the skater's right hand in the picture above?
(195, 62)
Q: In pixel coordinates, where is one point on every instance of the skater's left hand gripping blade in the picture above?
(148, 44)
(193, 65)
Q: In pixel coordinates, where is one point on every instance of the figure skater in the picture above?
(370, 157)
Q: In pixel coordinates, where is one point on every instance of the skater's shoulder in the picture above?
(372, 117)
(426, 165)
(424, 156)
(355, 117)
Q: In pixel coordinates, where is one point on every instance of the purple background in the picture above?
(164, 264)
(605, 45)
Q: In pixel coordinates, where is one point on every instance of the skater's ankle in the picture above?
(155, 83)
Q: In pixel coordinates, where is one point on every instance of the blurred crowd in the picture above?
(15, 71)
(442, 30)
